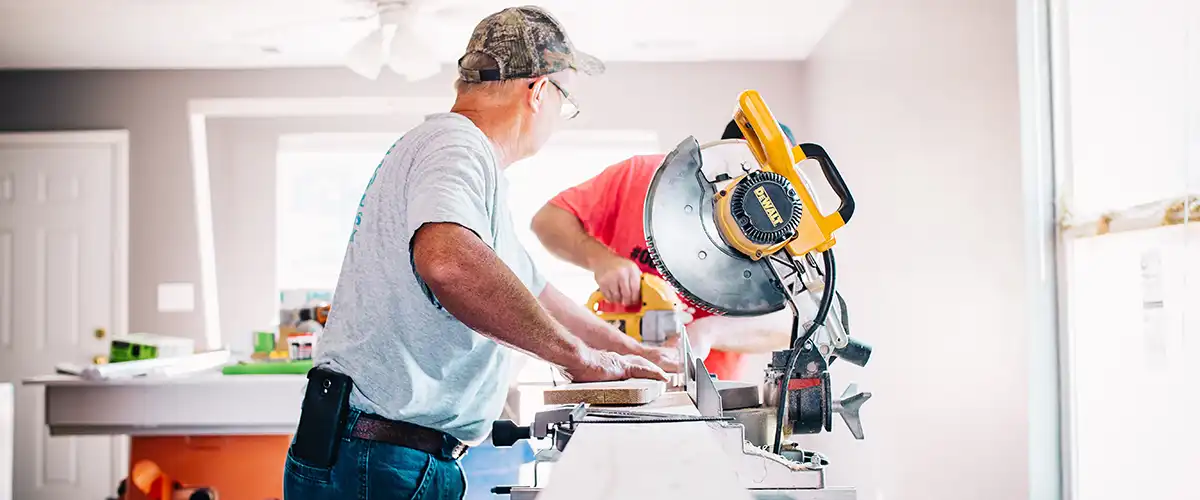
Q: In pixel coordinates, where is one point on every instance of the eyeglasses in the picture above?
(570, 108)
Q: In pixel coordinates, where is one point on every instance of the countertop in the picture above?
(200, 404)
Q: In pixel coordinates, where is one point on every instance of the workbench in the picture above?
(684, 460)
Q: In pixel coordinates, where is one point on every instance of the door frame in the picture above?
(118, 142)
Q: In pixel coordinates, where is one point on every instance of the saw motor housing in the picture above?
(771, 209)
(758, 213)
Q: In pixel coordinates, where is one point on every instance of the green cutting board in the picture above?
(300, 367)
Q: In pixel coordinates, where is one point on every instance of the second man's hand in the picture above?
(561, 232)
(619, 279)
(665, 357)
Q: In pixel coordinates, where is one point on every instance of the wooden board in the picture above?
(625, 392)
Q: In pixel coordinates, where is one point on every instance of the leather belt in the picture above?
(408, 435)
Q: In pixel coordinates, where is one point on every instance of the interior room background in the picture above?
(917, 102)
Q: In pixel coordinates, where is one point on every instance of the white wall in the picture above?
(917, 103)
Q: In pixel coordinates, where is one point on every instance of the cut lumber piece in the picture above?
(624, 392)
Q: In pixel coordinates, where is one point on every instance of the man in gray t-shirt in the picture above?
(436, 290)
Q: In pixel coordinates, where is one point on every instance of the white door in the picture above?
(62, 280)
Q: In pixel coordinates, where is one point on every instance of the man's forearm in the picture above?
(594, 331)
(479, 289)
(565, 237)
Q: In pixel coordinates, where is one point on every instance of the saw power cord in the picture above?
(841, 301)
(799, 341)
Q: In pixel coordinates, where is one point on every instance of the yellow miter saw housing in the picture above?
(746, 242)
(661, 316)
(771, 209)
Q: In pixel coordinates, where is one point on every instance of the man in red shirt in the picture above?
(598, 225)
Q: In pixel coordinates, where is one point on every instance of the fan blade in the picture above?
(366, 56)
(411, 56)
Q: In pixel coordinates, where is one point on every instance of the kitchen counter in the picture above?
(204, 404)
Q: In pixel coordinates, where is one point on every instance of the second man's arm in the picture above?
(619, 279)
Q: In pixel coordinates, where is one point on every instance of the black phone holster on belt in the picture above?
(322, 417)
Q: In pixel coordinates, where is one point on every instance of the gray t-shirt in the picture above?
(410, 359)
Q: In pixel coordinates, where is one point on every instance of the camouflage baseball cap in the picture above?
(526, 42)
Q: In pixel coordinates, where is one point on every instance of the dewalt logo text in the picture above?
(768, 206)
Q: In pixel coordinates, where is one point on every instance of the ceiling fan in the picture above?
(411, 37)
(404, 40)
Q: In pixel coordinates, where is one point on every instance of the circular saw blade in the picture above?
(687, 248)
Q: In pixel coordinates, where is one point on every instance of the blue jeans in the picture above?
(487, 466)
(371, 469)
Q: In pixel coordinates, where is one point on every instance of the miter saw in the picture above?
(743, 244)
(733, 226)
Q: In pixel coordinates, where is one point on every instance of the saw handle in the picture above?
(834, 178)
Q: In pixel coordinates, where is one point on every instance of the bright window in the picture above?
(1131, 283)
(319, 182)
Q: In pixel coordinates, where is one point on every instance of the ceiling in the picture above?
(142, 34)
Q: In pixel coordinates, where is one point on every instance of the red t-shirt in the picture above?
(610, 207)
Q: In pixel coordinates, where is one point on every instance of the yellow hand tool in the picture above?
(661, 316)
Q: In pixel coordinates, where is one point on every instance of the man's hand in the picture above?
(603, 366)
(666, 357)
(620, 280)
